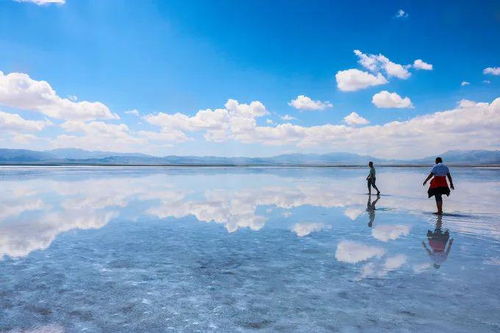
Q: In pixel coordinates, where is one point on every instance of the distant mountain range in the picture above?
(84, 157)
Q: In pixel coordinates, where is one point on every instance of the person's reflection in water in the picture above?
(437, 243)
(370, 208)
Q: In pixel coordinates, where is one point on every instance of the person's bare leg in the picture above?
(369, 188)
(439, 205)
(375, 187)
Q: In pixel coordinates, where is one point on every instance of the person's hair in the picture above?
(439, 160)
(370, 163)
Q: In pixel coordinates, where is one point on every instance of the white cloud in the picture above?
(464, 83)
(98, 135)
(387, 232)
(134, 112)
(44, 2)
(354, 79)
(492, 70)
(18, 90)
(486, 81)
(401, 14)
(377, 63)
(385, 99)
(307, 104)
(304, 229)
(469, 126)
(287, 117)
(167, 136)
(269, 121)
(420, 64)
(10, 122)
(23, 139)
(237, 121)
(354, 252)
(355, 119)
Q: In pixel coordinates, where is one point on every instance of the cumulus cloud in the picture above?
(492, 70)
(134, 112)
(464, 83)
(355, 119)
(287, 117)
(43, 2)
(97, 135)
(307, 104)
(18, 90)
(401, 14)
(234, 121)
(469, 126)
(304, 229)
(354, 252)
(377, 63)
(420, 64)
(354, 79)
(168, 136)
(10, 122)
(385, 99)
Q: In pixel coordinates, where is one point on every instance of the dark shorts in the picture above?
(371, 181)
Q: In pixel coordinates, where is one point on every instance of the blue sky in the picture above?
(166, 57)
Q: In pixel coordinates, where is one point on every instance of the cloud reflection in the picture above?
(34, 210)
(304, 229)
(353, 252)
(385, 233)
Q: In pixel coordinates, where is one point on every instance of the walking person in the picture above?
(371, 179)
(438, 185)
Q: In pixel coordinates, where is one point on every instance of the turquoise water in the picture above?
(245, 249)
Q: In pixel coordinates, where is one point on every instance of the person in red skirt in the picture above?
(439, 186)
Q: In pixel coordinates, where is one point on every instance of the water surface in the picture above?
(244, 249)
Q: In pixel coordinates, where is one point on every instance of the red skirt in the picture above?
(439, 185)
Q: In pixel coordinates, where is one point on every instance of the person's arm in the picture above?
(449, 246)
(428, 177)
(426, 248)
(451, 180)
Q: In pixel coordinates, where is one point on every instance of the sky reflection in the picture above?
(36, 209)
(226, 249)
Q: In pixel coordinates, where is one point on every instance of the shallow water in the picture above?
(245, 249)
